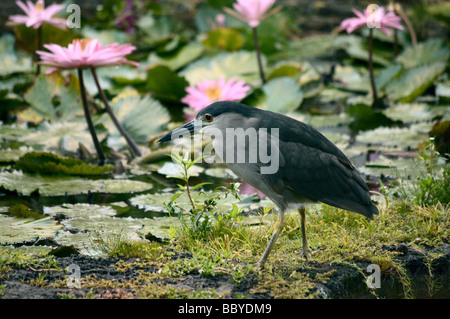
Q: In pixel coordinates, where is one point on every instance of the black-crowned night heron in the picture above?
(303, 165)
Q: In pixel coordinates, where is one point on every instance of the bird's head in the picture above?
(217, 115)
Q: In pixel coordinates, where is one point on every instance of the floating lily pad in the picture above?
(65, 136)
(10, 61)
(84, 233)
(63, 185)
(356, 47)
(180, 58)
(54, 97)
(240, 64)
(12, 132)
(289, 70)
(394, 168)
(80, 210)
(15, 230)
(224, 39)
(409, 112)
(281, 94)
(414, 81)
(399, 138)
(157, 202)
(165, 84)
(13, 155)
(431, 51)
(134, 113)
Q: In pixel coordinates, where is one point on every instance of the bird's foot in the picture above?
(259, 265)
(305, 253)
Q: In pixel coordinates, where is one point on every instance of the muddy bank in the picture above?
(347, 280)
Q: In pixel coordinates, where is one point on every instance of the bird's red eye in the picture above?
(209, 117)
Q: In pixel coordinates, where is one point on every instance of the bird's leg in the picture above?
(306, 252)
(278, 228)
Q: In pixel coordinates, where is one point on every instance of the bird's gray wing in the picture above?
(323, 177)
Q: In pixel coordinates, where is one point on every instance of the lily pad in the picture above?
(54, 97)
(356, 47)
(394, 168)
(180, 58)
(165, 84)
(240, 64)
(10, 60)
(157, 202)
(64, 136)
(431, 51)
(282, 94)
(414, 81)
(399, 138)
(15, 230)
(224, 39)
(64, 185)
(80, 210)
(409, 112)
(87, 233)
(13, 155)
(134, 113)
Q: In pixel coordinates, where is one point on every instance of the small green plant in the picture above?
(119, 245)
(204, 215)
(430, 187)
(435, 185)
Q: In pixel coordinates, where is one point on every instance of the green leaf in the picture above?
(282, 94)
(157, 202)
(224, 39)
(396, 137)
(367, 119)
(54, 97)
(48, 163)
(240, 64)
(414, 81)
(14, 230)
(134, 113)
(22, 211)
(165, 84)
(80, 210)
(179, 58)
(307, 47)
(10, 60)
(431, 51)
(64, 185)
(65, 136)
(387, 74)
(27, 37)
(288, 70)
(356, 47)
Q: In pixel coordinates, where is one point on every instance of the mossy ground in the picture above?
(410, 244)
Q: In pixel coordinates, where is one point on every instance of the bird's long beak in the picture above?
(186, 130)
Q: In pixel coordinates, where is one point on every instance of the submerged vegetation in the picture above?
(146, 225)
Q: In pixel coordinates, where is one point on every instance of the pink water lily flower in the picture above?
(85, 53)
(37, 15)
(208, 91)
(252, 11)
(377, 18)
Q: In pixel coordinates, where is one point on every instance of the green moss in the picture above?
(22, 211)
(48, 163)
